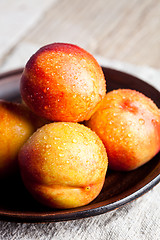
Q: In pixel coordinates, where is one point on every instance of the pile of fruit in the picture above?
(67, 131)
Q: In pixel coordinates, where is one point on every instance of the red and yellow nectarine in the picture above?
(63, 165)
(63, 82)
(128, 123)
(17, 123)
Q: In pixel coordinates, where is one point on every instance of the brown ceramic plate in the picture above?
(120, 187)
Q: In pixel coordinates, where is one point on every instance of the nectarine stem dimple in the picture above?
(87, 188)
(128, 105)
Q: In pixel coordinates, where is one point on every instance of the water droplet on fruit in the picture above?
(154, 121)
(129, 135)
(48, 146)
(61, 154)
(87, 188)
(45, 89)
(141, 121)
(74, 140)
(56, 138)
(92, 97)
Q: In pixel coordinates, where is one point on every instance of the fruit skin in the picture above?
(128, 123)
(62, 82)
(63, 165)
(17, 123)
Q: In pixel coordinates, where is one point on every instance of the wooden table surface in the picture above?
(127, 31)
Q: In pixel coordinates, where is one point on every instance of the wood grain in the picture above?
(124, 30)
(16, 19)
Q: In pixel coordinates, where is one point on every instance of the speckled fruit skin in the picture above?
(63, 82)
(128, 123)
(17, 123)
(63, 165)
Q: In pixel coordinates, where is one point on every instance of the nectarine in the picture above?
(63, 82)
(128, 123)
(63, 165)
(17, 123)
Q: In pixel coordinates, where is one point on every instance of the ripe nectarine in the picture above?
(16, 125)
(63, 82)
(128, 123)
(63, 165)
